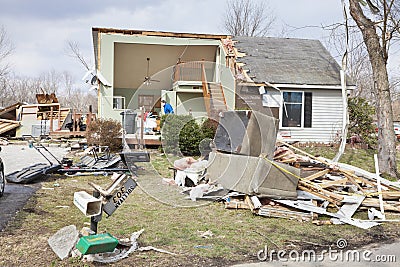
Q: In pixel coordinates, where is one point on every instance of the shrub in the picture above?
(104, 132)
(209, 127)
(361, 122)
(181, 134)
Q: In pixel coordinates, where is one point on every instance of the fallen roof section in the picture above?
(8, 125)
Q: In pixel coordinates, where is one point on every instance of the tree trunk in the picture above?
(384, 113)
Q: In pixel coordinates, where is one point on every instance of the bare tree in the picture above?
(6, 48)
(50, 82)
(358, 66)
(74, 52)
(248, 18)
(379, 24)
(75, 98)
(18, 89)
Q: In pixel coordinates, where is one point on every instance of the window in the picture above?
(118, 102)
(297, 109)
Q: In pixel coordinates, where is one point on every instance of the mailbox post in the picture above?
(97, 218)
(111, 198)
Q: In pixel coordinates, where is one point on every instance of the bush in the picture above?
(181, 134)
(209, 127)
(361, 121)
(104, 132)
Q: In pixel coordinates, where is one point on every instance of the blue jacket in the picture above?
(168, 108)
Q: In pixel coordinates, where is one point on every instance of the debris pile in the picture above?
(275, 179)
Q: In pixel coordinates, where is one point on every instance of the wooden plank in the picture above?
(249, 202)
(318, 191)
(391, 195)
(7, 125)
(236, 205)
(317, 175)
(9, 121)
(362, 180)
(353, 181)
(282, 212)
(333, 183)
(374, 202)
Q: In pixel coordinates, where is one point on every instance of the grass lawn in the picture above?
(174, 223)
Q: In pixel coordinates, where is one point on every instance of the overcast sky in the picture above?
(40, 29)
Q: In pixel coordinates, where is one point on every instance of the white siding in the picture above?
(326, 118)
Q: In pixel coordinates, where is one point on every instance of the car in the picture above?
(2, 179)
(396, 127)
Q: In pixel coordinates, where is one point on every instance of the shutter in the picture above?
(307, 109)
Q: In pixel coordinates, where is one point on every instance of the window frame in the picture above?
(283, 107)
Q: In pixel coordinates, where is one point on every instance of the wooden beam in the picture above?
(333, 183)
(317, 175)
(353, 181)
(318, 191)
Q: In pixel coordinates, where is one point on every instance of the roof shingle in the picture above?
(287, 61)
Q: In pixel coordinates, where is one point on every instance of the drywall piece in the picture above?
(246, 132)
(337, 218)
(350, 206)
(305, 205)
(231, 129)
(359, 223)
(252, 175)
(372, 213)
(306, 195)
(260, 135)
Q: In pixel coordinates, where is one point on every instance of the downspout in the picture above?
(345, 118)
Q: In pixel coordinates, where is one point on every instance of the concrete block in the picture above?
(64, 241)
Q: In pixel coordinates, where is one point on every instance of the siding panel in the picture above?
(326, 118)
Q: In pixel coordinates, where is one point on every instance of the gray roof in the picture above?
(288, 61)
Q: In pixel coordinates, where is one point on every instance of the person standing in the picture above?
(167, 107)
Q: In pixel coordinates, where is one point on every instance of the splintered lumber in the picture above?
(236, 205)
(322, 222)
(391, 195)
(303, 152)
(317, 175)
(374, 203)
(249, 203)
(353, 181)
(318, 191)
(362, 180)
(339, 182)
(288, 213)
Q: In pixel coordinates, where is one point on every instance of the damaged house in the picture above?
(299, 84)
(294, 80)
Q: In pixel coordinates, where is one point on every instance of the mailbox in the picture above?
(119, 195)
(89, 205)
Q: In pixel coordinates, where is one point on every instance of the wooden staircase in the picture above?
(214, 98)
(217, 99)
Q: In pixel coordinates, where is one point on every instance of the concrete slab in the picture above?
(17, 157)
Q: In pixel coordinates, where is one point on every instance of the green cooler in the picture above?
(100, 243)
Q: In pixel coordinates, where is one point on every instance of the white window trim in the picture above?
(282, 109)
(123, 102)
